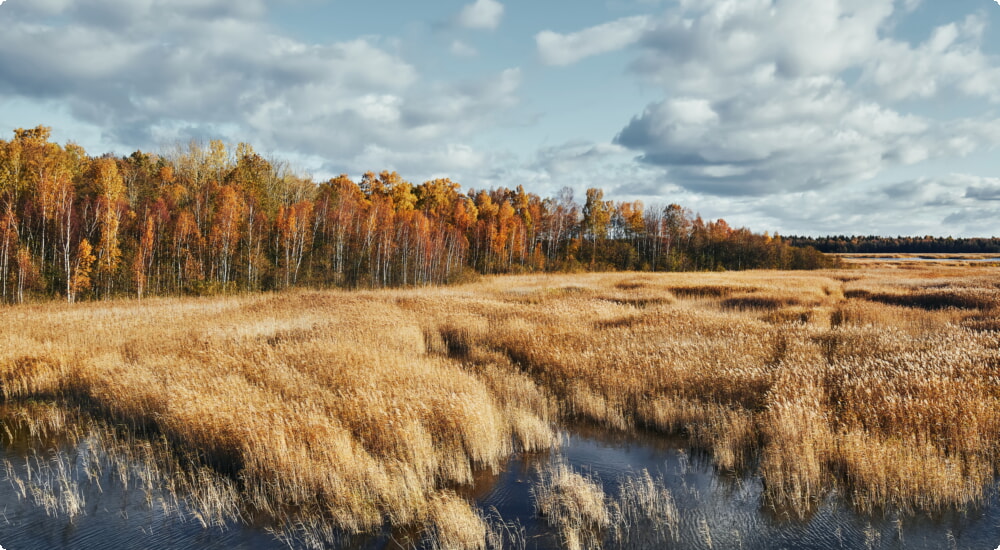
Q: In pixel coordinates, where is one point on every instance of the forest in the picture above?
(873, 244)
(204, 219)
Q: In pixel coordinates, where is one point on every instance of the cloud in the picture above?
(790, 136)
(575, 157)
(214, 69)
(566, 49)
(951, 59)
(980, 188)
(461, 49)
(758, 99)
(920, 206)
(445, 160)
(703, 43)
(482, 14)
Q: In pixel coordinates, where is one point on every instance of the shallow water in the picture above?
(717, 511)
(919, 259)
(728, 509)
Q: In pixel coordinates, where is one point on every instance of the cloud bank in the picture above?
(762, 97)
(149, 72)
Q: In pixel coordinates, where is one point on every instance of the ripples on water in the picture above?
(719, 511)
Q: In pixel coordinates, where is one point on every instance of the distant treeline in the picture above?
(899, 245)
(209, 218)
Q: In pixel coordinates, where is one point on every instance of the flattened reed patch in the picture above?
(638, 302)
(621, 322)
(982, 323)
(792, 315)
(710, 291)
(932, 299)
(535, 296)
(765, 303)
(630, 285)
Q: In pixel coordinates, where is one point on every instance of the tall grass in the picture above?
(336, 412)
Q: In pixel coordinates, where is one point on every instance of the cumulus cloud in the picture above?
(215, 69)
(757, 100)
(951, 59)
(482, 14)
(566, 49)
(790, 136)
(796, 37)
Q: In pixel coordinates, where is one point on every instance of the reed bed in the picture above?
(338, 412)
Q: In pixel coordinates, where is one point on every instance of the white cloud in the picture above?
(796, 135)
(756, 101)
(213, 69)
(950, 59)
(577, 164)
(574, 157)
(482, 14)
(566, 49)
(445, 160)
(461, 49)
(707, 43)
(922, 206)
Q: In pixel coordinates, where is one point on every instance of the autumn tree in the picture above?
(255, 178)
(143, 256)
(295, 237)
(224, 236)
(596, 217)
(109, 189)
(80, 280)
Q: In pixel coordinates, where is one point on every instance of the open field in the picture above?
(355, 408)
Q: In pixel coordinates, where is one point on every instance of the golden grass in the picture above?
(366, 407)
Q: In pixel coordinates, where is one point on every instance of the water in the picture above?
(730, 509)
(718, 510)
(112, 515)
(919, 259)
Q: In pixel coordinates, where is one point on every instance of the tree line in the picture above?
(211, 218)
(873, 244)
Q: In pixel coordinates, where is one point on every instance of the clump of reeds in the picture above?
(574, 505)
(641, 514)
(454, 526)
(48, 482)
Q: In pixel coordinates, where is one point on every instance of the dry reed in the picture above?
(343, 411)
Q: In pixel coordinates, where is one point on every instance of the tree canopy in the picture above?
(209, 217)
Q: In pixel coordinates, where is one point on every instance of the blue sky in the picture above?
(791, 116)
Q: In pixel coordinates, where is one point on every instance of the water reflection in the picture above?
(717, 509)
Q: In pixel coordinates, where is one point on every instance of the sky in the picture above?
(804, 117)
